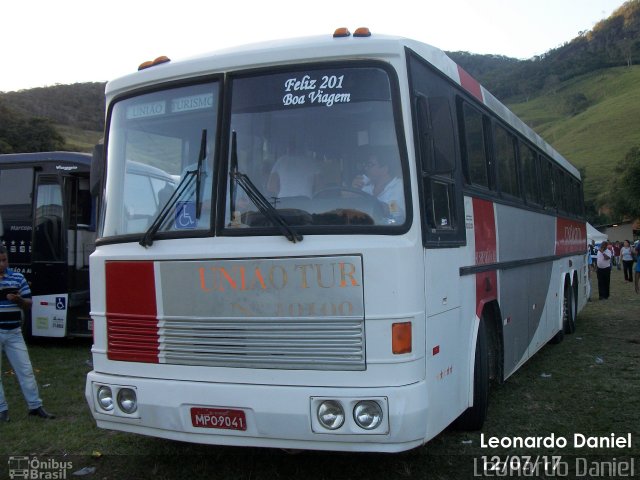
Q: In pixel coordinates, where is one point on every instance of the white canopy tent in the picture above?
(595, 235)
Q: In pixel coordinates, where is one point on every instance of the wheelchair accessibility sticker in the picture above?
(61, 303)
(185, 216)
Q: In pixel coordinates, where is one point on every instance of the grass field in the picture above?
(589, 384)
(79, 140)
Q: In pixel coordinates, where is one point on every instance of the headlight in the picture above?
(330, 414)
(127, 400)
(367, 414)
(105, 398)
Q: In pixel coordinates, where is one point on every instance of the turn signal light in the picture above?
(401, 338)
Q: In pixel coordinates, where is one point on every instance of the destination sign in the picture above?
(281, 287)
(142, 110)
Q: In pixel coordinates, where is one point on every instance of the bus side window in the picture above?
(547, 184)
(529, 166)
(475, 153)
(437, 153)
(505, 152)
(436, 147)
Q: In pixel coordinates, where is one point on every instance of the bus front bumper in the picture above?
(257, 415)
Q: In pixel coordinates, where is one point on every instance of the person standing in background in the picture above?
(637, 274)
(593, 254)
(616, 254)
(626, 254)
(16, 296)
(603, 264)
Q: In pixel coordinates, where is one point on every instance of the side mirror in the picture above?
(97, 170)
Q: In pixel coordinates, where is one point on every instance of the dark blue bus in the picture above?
(48, 225)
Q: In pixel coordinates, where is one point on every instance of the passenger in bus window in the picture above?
(381, 179)
(295, 173)
(15, 297)
(604, 270)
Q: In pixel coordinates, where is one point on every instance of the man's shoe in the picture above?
(4, 416)
(41, 412)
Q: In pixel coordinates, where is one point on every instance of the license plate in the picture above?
(225, 418)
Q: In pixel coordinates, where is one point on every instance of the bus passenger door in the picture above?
(80, 243)
(49, 260)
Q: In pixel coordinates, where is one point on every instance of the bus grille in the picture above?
(309, 343)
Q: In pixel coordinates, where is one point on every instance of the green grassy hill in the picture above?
(592, 119)
(599, 136)
(79, 140)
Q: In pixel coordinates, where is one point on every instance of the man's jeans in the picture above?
(12, 343)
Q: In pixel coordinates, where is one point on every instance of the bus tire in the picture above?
(558, 337)
(473, 417)
(568, 310)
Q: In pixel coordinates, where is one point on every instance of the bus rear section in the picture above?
(48, 217)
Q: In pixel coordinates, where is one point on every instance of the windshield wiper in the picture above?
(201, 156)
(185, 185)
(258, 199)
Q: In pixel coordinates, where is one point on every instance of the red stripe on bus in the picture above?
(470, 84)
(571, 236)
(484, 227)
(132, 331)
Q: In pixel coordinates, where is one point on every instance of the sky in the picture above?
(45, 42)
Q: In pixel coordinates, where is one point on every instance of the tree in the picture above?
(624, 190)
(576, 103)
(20, 134)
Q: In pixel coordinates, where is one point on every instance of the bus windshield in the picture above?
(157, 143)
(320, 144)
(317, 146)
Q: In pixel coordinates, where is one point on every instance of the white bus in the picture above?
(362, 239)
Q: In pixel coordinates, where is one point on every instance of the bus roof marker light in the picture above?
(144, 65)
(153, 63)
(362, 32)
(341, 32)
(161, 59)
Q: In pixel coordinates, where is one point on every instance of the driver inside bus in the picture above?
(382, 180)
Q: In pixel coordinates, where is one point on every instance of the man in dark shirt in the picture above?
(15, 297)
